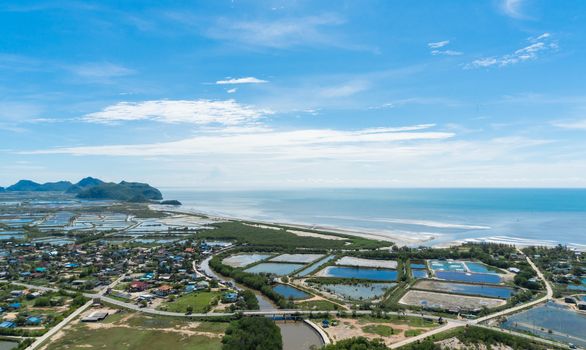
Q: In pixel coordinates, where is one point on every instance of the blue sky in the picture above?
(286, 94)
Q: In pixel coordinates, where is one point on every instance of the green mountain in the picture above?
(83, 184)
(28, 185)
(92, 188)
(123, 191)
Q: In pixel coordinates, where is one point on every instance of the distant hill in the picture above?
(83, 184)
(92, 188)
(28, 185)
(124, 191)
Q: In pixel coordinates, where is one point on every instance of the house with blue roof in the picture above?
(7, 324)
(14, 306)
(34, 321)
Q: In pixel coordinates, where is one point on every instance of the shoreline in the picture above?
(385, 236)
(397, 239)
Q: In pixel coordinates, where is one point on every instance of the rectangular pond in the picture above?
(418, 274)
(290, 292)
(359, 273)
(478, 267)
(360, 262)
(467, 289)
(274, 268)
(468, 277)
(447, 265)
(418, 266)
(309, 270)
(358, 291)
(242, 260)
(551, 321)
(297, 258)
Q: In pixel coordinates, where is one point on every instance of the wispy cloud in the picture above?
(437, 46)
(246, 80)
(513, 8)
(281, 33)
(535, 48)
(574, 125)
(344, 89)
(202, 112)
(100, 71)
(297, 144)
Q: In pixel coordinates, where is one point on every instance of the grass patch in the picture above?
(122, 338)
(212, 327)
(379, 329)
(413, 332)
(321, 305)
(200, 302)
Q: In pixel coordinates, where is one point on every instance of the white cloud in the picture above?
(281, 33)
(435, 49)
(344, 89)
(438, 44)
(537, 46)
(227, 112)
(513, 8)
(269, 144)
(231, 91)
(574, 125)
(446, 52)
(247, 80)
(101, 70)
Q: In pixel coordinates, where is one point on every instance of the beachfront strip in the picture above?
(90, 274)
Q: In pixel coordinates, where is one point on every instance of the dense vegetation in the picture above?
(252, 333)
(359, 343)
(265, 237)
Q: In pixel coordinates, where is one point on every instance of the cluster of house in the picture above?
(69, 266)
(15, 310)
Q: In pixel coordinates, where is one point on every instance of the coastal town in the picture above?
(79, 273)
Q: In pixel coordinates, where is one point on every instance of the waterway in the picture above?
(299, 336)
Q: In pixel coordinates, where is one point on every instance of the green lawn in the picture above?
(212, 327)
(200, 302)
(321, 305)
(413, 332)
(379, 329)
(123, 338)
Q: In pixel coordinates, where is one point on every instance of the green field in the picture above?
(321, 305)
(140, 333)
(379, 329)
(199, 301)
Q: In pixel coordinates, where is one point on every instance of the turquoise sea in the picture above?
(523, 216)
